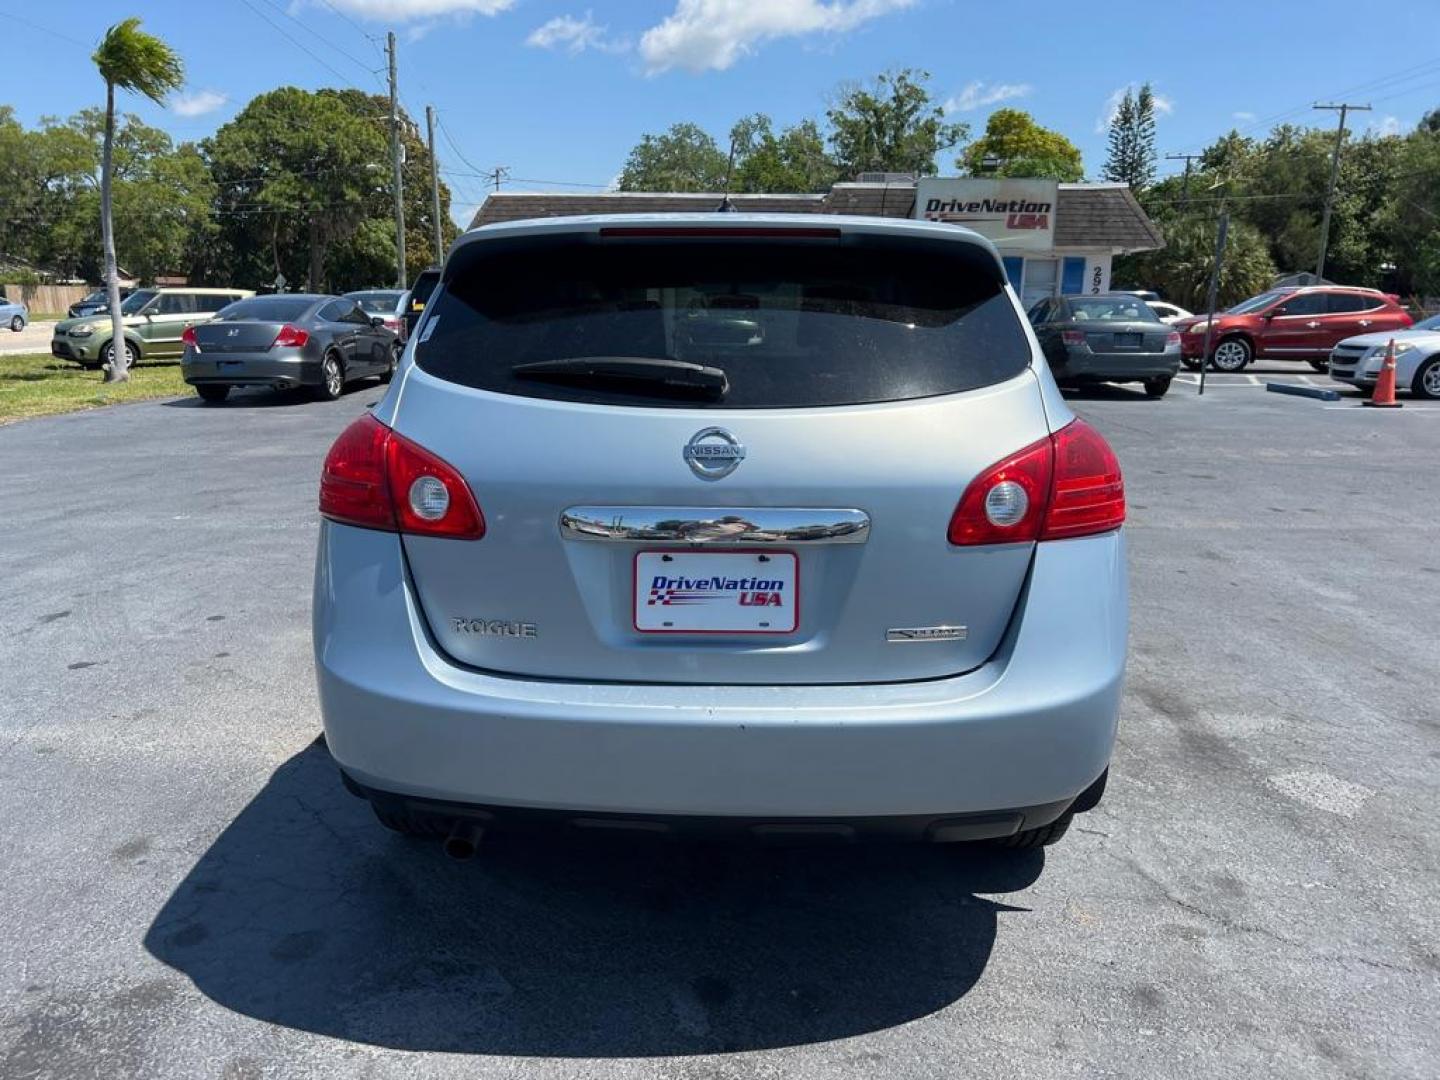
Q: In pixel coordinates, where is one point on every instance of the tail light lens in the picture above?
(1066, 485)
(188, 337)
(291, 336)
(1172, 339)
(378, 479)
(1072, 337)
(1088, 494)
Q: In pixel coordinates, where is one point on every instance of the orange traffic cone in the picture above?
(1384, 397)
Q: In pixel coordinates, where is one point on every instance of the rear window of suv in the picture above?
(789, 322)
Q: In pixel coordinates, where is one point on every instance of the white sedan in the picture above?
(1169, 313)
(1356, 361)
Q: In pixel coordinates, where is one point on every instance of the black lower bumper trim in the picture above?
(438, 816)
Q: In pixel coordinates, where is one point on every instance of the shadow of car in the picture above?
(303, 914)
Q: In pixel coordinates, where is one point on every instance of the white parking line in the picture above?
(1408, 410)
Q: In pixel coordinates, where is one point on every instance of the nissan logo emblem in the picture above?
(713, 452)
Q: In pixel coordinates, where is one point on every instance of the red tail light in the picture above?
(188, 337)
(291, 336)
(1066, 485)
(1072, 337)
(1172, 338)
(379, 479)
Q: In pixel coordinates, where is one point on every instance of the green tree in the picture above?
(1411, 219)
(1022, 148)
(141, 63)
(297, 174)
(1131, 143)
(685, 158)
(892, 125)
(1181, 270)
(793, 160)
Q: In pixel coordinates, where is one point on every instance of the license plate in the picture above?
(1129, 341)
(730, 592)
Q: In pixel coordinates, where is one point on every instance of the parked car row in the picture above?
(96, 303)
(153, 320)
(1357, 361)
(14, 314)
(1290, 324)
(286, 341)
(1110, 337)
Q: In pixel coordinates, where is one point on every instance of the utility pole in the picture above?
(1343, 109)
(395, 166)
(500, 172)
(1220, 237)
(1184, 184)
(434, 185)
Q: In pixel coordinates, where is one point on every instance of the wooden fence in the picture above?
(46, 299)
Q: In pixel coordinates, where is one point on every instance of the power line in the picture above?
(313, 56)
(45, 29)
(361, 63)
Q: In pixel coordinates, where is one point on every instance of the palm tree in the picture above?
(143, 64)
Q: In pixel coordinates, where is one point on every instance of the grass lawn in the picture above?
(39, 385)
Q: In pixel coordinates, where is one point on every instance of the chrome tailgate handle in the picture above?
(714, 525)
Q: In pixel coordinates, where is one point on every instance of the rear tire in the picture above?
(1232, 354)
(1156, 388)
(332, 378)
(1321, 366)
(1426, 383)
(17, 324)
(212, 394)
(1044, 836)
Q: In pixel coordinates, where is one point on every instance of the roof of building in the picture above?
(1086, 215)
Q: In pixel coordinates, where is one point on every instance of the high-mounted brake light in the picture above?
(1065, 485)
(378, 479)
(722, 232)
(291, 336)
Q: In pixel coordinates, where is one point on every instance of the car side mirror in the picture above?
(376, 321)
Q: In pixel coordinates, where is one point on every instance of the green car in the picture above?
(154, 319)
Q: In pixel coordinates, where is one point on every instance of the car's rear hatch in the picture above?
(872, 373)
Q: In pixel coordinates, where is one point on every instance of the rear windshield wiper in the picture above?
(637, 373)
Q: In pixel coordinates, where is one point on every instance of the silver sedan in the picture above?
(1357, 361)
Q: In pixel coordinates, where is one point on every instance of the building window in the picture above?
(1072, 276)
(1041, 277)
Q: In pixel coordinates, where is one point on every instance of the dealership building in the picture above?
(1055, 238)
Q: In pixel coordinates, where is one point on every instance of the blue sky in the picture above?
(559, 91)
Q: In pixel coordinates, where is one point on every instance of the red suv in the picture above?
(1290, 324)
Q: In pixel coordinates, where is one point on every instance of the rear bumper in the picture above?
(1085, 364)
(1020, 737)
(250, 369)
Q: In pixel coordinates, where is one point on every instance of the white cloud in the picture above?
(198, 103)
(1164, 106)
(976, 95)
(574, 36)
(1386, 126)
(1243, 117)
(405, 10)
(705, 35)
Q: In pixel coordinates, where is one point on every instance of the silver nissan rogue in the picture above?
(768, 524)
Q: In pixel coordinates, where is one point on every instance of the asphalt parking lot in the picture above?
(188, 891)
